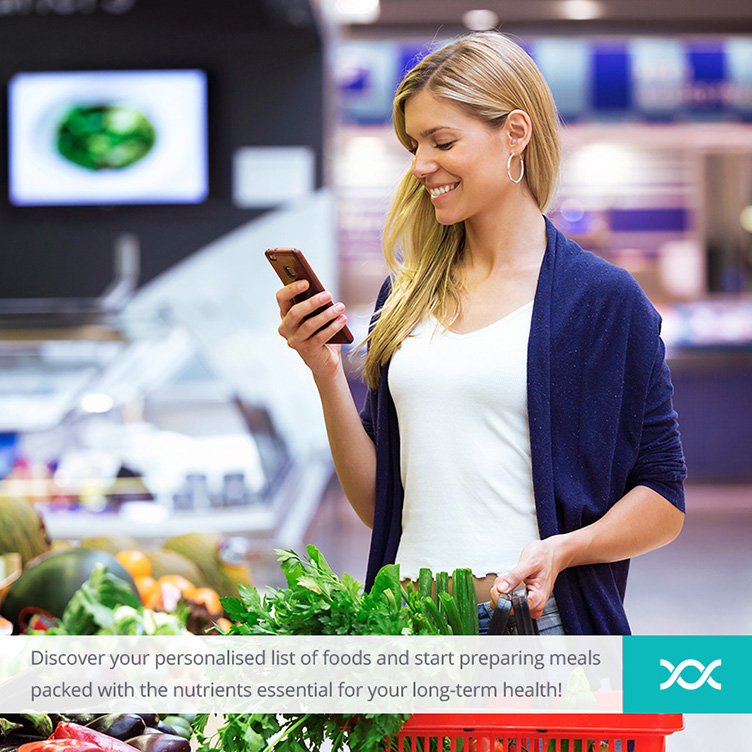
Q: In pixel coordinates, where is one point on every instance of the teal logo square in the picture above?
(688, 674)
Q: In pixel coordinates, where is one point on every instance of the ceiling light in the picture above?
(96, 403)
(572, 210)
(581, 10)
(480, 20)
(355, 11)
(746, 218)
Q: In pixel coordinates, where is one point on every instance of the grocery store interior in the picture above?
(147, 401)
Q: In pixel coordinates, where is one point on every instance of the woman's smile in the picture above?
(441, 190)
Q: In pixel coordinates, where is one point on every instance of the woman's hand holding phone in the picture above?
(305, 335)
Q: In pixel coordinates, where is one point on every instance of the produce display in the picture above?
(49, 581)
(106, 605)
(108, 586)
(114, 732)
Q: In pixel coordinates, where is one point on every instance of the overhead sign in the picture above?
(649, 79)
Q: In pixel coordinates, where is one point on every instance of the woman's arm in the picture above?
(640, 521)
(353, 451)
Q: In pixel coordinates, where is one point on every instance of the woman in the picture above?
(518, 419)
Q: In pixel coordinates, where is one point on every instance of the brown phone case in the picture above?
(291, 265)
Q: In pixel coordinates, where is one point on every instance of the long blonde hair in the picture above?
(488, 76)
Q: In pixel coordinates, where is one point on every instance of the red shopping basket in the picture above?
(537, 732)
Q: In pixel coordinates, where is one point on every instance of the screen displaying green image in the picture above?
(104, 137)
(108, 137)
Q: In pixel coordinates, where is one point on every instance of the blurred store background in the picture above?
(144, 391)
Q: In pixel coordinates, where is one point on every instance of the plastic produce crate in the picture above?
(537, 732)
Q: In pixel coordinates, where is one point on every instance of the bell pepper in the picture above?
(104, 742)
(60, 745)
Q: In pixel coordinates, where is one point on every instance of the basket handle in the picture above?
(500, 618)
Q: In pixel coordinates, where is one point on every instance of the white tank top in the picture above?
(461, 402)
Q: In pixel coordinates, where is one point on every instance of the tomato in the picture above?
(136, 562)
(209, 598)
(146, 587)
(483, 744)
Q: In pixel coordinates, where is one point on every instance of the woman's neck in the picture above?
(509, 240)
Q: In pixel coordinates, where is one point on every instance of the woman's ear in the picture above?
(519, 129)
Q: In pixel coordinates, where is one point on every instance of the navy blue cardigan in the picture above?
(600, 415)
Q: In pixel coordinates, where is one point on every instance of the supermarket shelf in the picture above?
(159, 523)
(285, 516)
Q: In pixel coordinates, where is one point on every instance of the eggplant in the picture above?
(40, 721)
(165, 728)
(149, 730)
(119, 725)
(160, 743)
(150, 719)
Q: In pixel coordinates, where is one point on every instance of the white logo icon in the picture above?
(676, 674)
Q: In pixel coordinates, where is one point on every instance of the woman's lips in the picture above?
(441, 190)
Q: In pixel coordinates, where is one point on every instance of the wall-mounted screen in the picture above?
(107, 137)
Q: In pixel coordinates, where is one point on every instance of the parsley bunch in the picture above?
(318, 602)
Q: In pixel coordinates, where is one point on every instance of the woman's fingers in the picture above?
(537, 570)
(299, 314)
(308, 326)
(299, 325)
(286, 295)
(505, 584)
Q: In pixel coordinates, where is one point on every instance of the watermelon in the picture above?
(49, 581)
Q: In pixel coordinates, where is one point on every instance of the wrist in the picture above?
(566, 547)
(325, 379)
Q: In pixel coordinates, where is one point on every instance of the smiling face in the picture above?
(460, 160)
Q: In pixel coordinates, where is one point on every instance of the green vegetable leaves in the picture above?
(318, 602)
(92, 606)
(106, 605)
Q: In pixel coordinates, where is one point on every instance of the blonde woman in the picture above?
(518, 418)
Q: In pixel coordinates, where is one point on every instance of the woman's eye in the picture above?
(446, 145)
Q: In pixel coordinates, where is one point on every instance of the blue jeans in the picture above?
(548, 624)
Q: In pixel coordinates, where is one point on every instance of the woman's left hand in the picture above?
(538, 568)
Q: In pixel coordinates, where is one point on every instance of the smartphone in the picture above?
(291, 266)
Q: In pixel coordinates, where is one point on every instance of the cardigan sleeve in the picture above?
(660, 459)
(368, 413)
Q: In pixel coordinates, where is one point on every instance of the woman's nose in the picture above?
(422, 165)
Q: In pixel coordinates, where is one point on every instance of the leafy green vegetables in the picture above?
(106, 605)
(318, 602)
(104, 137)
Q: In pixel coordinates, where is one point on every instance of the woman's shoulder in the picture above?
(585, 274)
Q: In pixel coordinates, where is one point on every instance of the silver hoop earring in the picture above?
(509, 168)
